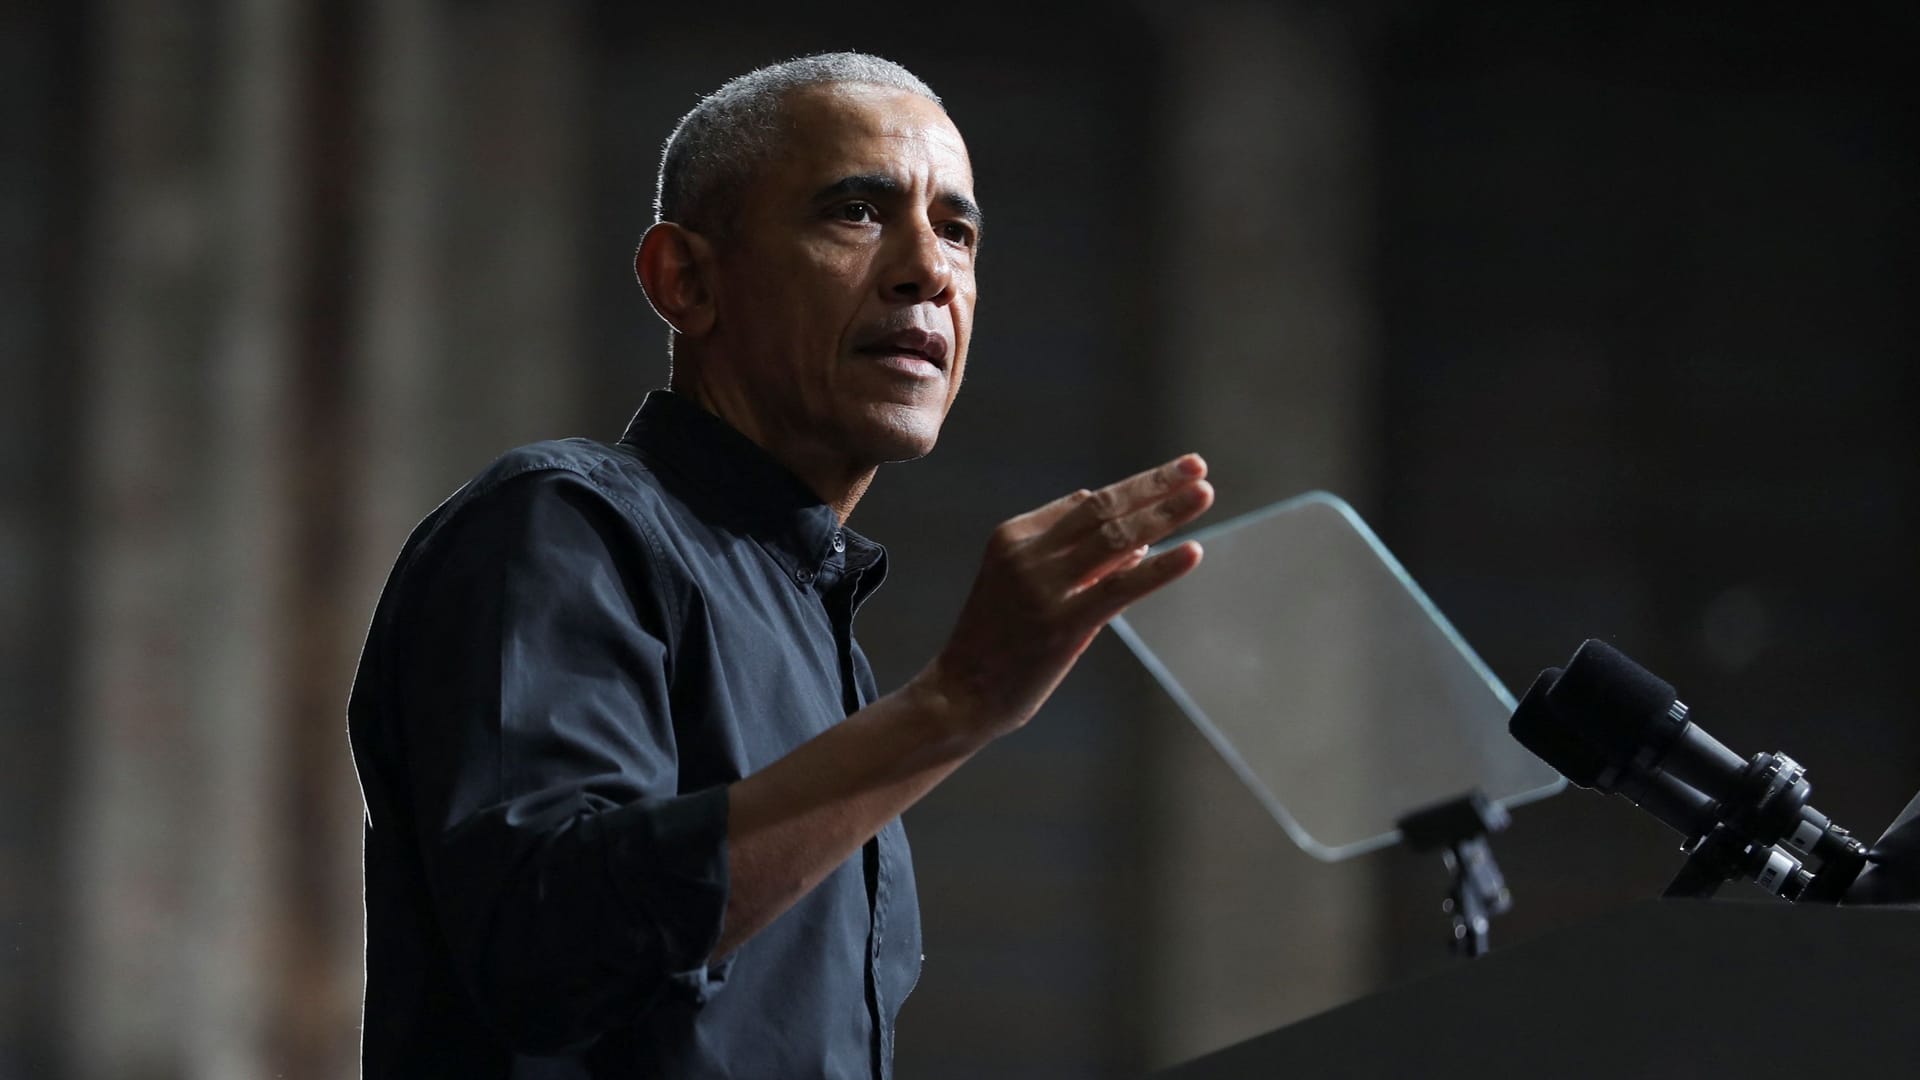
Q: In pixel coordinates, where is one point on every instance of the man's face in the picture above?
(845, 286)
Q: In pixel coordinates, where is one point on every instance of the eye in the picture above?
(860, 213)
(957, 232)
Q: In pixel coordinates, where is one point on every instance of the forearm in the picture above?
(790, 824)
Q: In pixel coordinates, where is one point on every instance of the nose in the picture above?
(919, 271)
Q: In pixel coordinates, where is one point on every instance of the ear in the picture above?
(675, 266)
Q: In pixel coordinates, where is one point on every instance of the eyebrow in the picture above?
(877, 185)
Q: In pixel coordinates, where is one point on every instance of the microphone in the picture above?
(1609, 724)
(1637, 721)
(1557, 742)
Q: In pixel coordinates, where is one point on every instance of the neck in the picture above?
(836, 481)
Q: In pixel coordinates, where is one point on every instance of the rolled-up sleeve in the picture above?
(574, 881)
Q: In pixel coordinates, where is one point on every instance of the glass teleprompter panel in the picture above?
(1328, 680)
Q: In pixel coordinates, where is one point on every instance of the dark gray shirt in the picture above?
(574, 656)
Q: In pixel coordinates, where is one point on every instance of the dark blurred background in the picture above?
(1603, 314)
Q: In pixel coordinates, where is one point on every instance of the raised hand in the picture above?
(1050, 579)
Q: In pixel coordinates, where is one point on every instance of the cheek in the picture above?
(831, 306)
(961, 356)
(966, 298)
(963, 312)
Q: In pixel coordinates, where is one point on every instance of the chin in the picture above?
(898, 433)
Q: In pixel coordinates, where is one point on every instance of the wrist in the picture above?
(946, 708)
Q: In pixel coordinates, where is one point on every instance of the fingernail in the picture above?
(1192, 465)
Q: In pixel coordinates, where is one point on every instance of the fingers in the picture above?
(1101, 602)
(1083, 510)
(1116, 501)
(1109, 544)
(1040, 520)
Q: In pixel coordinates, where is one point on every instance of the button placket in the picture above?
(881, 896)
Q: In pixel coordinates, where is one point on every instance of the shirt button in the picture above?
(839, 541)
(803, 576)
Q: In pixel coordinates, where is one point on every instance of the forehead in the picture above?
(850, 127)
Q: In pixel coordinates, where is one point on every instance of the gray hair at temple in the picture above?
(714, 148)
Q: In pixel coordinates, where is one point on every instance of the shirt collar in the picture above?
(734, 478)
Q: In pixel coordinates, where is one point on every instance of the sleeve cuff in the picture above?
(667, 858)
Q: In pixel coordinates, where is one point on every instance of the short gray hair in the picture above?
(715, 147)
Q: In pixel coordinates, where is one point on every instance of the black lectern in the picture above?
(1679, 988)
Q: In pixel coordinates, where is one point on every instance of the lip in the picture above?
(929, 345)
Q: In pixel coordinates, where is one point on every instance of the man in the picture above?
(632, 795)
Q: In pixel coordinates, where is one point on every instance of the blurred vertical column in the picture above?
(1269, 364)
(42, 159)
(511, 201)
(399, 339)
(183, 455)
(330, 276)
(311, 1003)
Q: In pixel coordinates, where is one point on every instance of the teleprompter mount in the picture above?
(1458, 828)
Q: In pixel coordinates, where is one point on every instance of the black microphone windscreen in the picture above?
(1614, 700)
(1540, 728)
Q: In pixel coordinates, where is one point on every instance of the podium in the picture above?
(1679, 988)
